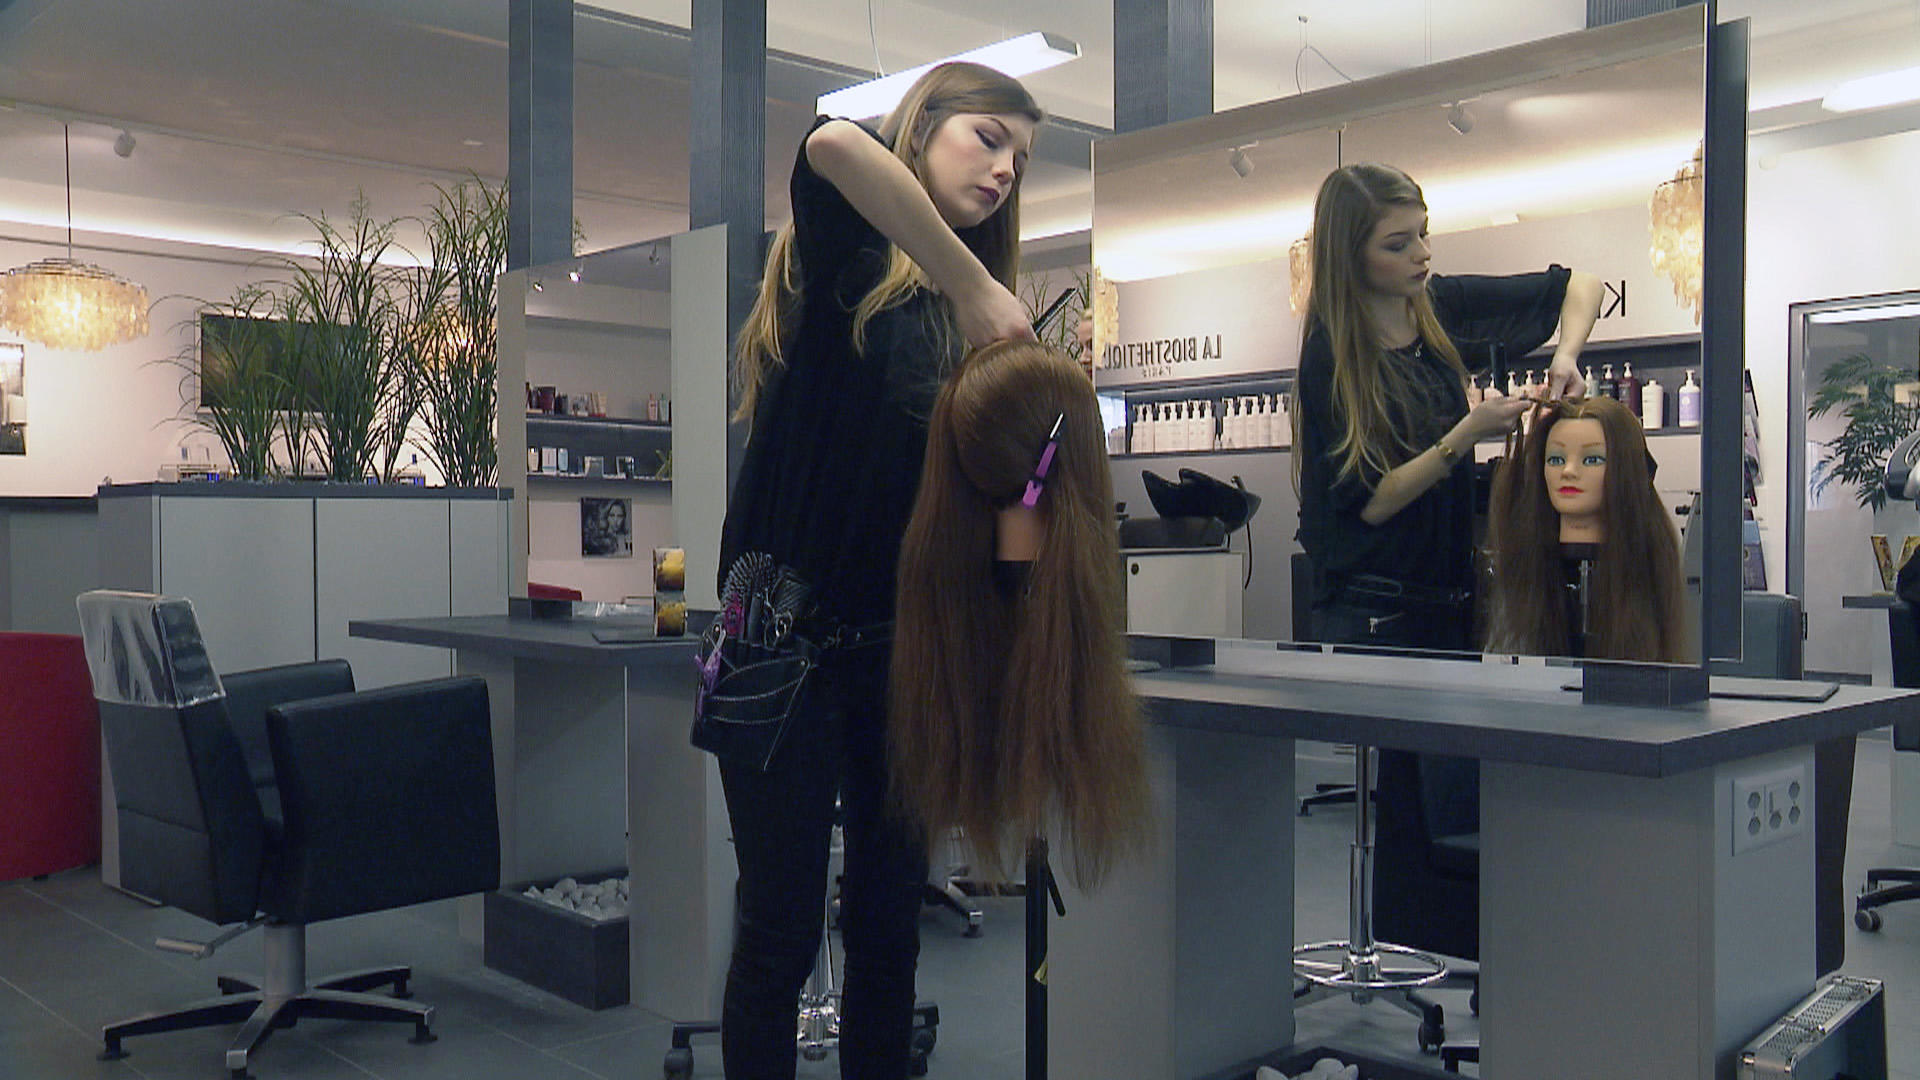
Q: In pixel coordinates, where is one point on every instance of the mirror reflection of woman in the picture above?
(1384, 437)
(1574, 515)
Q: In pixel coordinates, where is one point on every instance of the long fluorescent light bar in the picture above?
(1874, 91)
(1015, 56)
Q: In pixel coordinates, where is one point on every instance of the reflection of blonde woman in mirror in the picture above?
(1384, 434)
(1576, 491)
(1010, 714)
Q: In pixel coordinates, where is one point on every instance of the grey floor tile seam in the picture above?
(146, 949)
(548, 1052)
(48, 1009)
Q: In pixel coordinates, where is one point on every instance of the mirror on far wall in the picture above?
(1549, 152)
(1857, 361)
(586, 414)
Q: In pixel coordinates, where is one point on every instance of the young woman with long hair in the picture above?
(1578, 488)
(902, 249)
(1010, 715)
(1384, 438)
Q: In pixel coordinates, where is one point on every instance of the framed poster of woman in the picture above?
(606, 528)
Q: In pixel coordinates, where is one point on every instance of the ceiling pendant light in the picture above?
(63, 303)
(1013, 57)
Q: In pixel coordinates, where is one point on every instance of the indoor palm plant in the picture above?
(1863, 390)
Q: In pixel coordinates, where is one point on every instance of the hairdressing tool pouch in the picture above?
(755, 669)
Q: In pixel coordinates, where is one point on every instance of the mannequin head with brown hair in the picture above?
(1582, 474)
(1010, 714)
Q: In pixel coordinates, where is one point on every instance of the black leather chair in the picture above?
(280, 797)
(1891, 884)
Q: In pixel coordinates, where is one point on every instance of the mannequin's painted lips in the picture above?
(1569, 491)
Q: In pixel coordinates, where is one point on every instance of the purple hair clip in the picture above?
(1039, 481)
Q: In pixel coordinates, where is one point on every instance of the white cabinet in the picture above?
(1188, 593)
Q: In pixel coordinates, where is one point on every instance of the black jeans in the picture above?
(782, 822)
(1360, 620)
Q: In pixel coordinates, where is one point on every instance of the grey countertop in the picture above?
(1503, 713)
(67, 503)
(302, 489)
(563, 640)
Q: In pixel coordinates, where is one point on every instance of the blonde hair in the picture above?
(1368, 390)
(943, 92)
(1010, 714)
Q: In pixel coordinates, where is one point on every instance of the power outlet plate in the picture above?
(1769, 807)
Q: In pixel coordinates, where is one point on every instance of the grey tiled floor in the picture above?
(75, 955)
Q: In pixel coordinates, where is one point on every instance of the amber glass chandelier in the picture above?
(1676, 214)
(63, 303)
(1300, 271)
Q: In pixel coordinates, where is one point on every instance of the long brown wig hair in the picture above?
(1374, 396)
(1633, 610)
(1010, 714)
(945, 91)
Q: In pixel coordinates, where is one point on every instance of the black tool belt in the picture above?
(1375, 589)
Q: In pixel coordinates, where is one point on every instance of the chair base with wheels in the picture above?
(1876, 894)
(263, 1005)
(1361, 968)
(1326, 795)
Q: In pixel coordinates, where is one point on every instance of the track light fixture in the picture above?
(1239, 162)
(123, 144)
(1458, 118)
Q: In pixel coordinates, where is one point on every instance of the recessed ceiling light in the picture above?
(471, 142)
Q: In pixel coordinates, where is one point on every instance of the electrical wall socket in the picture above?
(1769, 807)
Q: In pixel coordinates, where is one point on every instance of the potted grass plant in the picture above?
(456, 348)
(337, 311)
(245, 398)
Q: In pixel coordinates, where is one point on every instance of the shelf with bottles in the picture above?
(585, 478)
(1240, 414)
(623, 449)
(538, 418)
(1646, 374)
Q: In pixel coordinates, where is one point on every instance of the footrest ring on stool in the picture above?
(1346, 973)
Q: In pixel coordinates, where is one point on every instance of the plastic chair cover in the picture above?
(144, 649)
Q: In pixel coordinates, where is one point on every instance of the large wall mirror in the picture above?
(1549, 152)
(620, 355)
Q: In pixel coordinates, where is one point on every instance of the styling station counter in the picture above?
(593, 772)
(1621, 933)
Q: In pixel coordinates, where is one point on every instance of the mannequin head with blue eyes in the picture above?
(1581, 474)
(1575, 470)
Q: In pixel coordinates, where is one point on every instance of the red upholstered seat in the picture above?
(49, 756)
(537, 591)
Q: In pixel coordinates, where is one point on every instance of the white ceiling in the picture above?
(249, 112)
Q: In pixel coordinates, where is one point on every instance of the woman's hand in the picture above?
(1495, 416)
(988, 313)
(1564, 379)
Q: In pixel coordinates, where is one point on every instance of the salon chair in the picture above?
(281, 798)
(49, 757)
(1888, 884)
